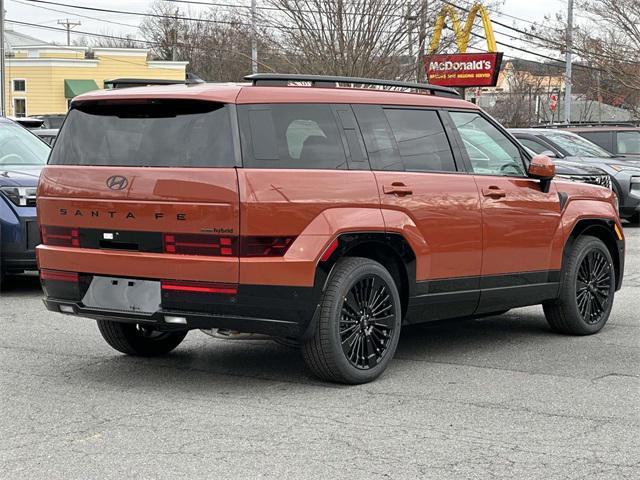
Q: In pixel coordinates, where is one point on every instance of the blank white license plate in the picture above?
(123, 294)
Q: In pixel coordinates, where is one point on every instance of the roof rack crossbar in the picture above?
(327, 81)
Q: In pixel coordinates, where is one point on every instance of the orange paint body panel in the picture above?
(167, 200)
(522, 231)
(445, 213)
(314, 205)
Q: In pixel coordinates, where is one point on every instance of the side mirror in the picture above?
(542, 168)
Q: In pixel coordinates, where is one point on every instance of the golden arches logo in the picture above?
(462, 34)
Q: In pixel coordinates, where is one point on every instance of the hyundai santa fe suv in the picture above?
(326, 211)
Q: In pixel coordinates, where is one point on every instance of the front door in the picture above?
(522, 237)
(419, 184)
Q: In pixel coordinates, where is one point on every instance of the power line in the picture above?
(235, 23)
(77, 14)
(146, 42)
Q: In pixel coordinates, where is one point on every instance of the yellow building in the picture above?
(42, 79)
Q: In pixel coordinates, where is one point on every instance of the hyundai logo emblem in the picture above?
(117, 182)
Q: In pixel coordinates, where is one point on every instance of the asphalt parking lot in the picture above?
(501, 397)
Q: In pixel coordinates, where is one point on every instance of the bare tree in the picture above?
(525, 89)
(362, 38)
(110, 40)
(216, 45)
(606, 44)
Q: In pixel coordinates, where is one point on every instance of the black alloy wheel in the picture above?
(593, 286)
(587, 289)
(356, 332)
(367, 322)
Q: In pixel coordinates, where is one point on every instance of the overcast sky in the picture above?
(20, 10)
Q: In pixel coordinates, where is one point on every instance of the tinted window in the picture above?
(604, 139)
(18, 146)
(154, 134)
(628, 142)
(491, 152)
(290, 136)
(378, 138)
(421, 140)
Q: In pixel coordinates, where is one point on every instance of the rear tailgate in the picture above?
(144, 189)
(124, 232)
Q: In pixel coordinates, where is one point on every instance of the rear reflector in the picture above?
(199, 287)
(265, 246)
(330, 249)
(199, 244)
(59, 276)
(60, 236)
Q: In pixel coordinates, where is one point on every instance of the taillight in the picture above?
(60, 236)
(199, 287)
(200, 244)
(265, 246)
(59, 276)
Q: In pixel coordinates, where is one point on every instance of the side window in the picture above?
(290, 136)
(421, 140)
(629, 142)
(533, 145)
(378, 138)
(604, 139)
(489, 150)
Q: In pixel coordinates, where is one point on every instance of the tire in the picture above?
(634, 219)
(585, 303)
(138, 341)
(355, 283)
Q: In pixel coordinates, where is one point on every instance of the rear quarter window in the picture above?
(168, 133)
(291, 136)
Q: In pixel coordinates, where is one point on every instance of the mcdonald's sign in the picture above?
(463, 69)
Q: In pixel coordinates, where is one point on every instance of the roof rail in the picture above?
(587, 124)
(327, 81)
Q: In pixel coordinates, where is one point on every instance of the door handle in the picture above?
(397, 188)
(494, 192)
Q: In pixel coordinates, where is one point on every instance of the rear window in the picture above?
(291, 136)
(629, 142)
(168, 133)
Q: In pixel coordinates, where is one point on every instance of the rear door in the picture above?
(522, 237)
(151, 188)
(417, 175)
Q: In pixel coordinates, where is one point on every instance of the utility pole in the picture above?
(68, 25)
(2, 69)
(567, 74)
(422, 38)
(174, 55)
(410, 19)
(254, 39)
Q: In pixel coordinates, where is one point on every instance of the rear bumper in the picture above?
(277, 311)
(267, 326)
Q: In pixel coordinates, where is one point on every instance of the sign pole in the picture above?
(567, 74)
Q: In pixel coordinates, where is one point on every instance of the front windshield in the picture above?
(576, 145)
(18, 146)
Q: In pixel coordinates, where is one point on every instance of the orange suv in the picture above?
(329, 211)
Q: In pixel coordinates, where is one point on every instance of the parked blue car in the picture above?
(22, 156)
